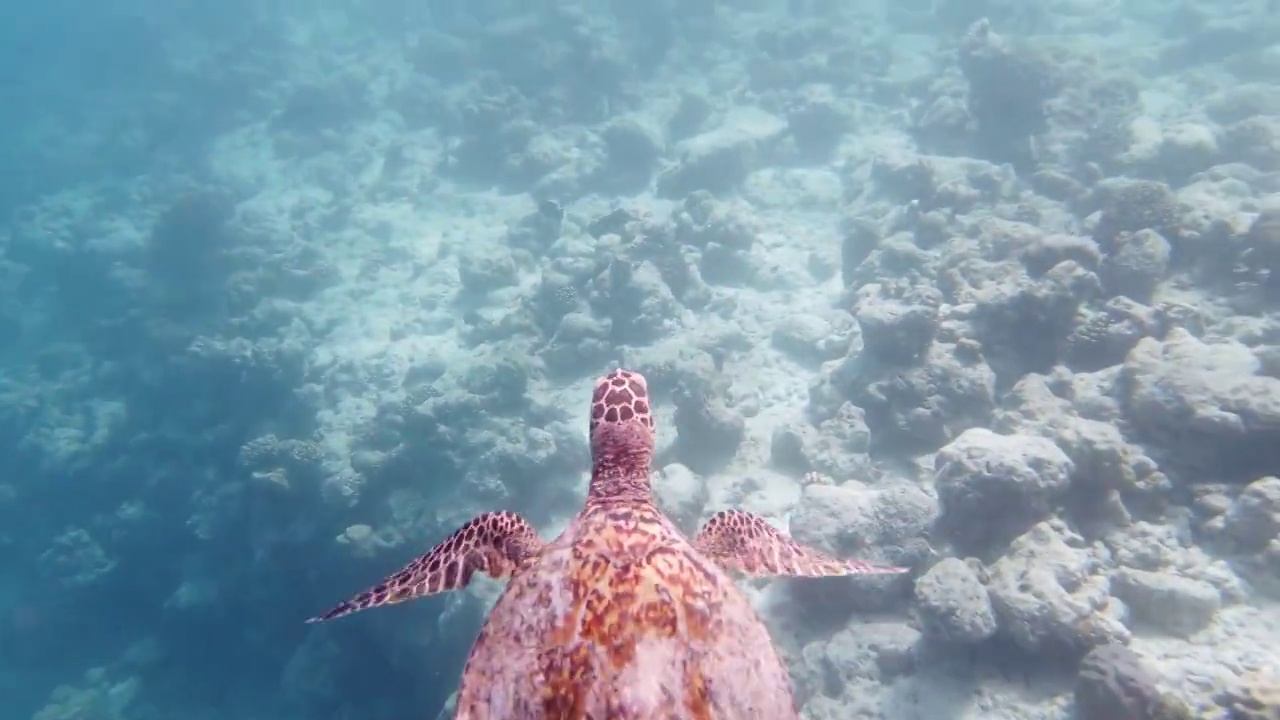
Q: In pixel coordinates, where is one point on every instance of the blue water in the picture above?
(286, 294)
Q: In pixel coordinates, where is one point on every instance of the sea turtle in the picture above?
(620, 617)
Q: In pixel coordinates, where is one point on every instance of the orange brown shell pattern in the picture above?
(621, 619)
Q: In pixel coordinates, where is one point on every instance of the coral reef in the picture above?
(986, 288)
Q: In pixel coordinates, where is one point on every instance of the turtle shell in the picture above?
(621, 618)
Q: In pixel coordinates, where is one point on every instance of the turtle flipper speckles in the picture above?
(744, 542)
(495, 543)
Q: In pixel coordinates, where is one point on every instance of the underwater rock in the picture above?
(708, 432)
(1253, 519)
(1138, 262)
(1204, 404)
(1176, 605)
(897, 327)
(1051, 594)
(993, 487)
(1114, 683)
(719, 160)
(919, 407)
(877, 651)
(1256, 697)
(954, 605)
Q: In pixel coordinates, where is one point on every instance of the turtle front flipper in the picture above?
(495, 543)
(744, 542)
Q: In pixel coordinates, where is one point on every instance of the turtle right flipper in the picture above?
(495, 543)
(745, 542)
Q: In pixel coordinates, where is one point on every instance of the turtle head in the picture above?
(621, 425)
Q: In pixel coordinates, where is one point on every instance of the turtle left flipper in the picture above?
(745, 542)
(495, 543)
